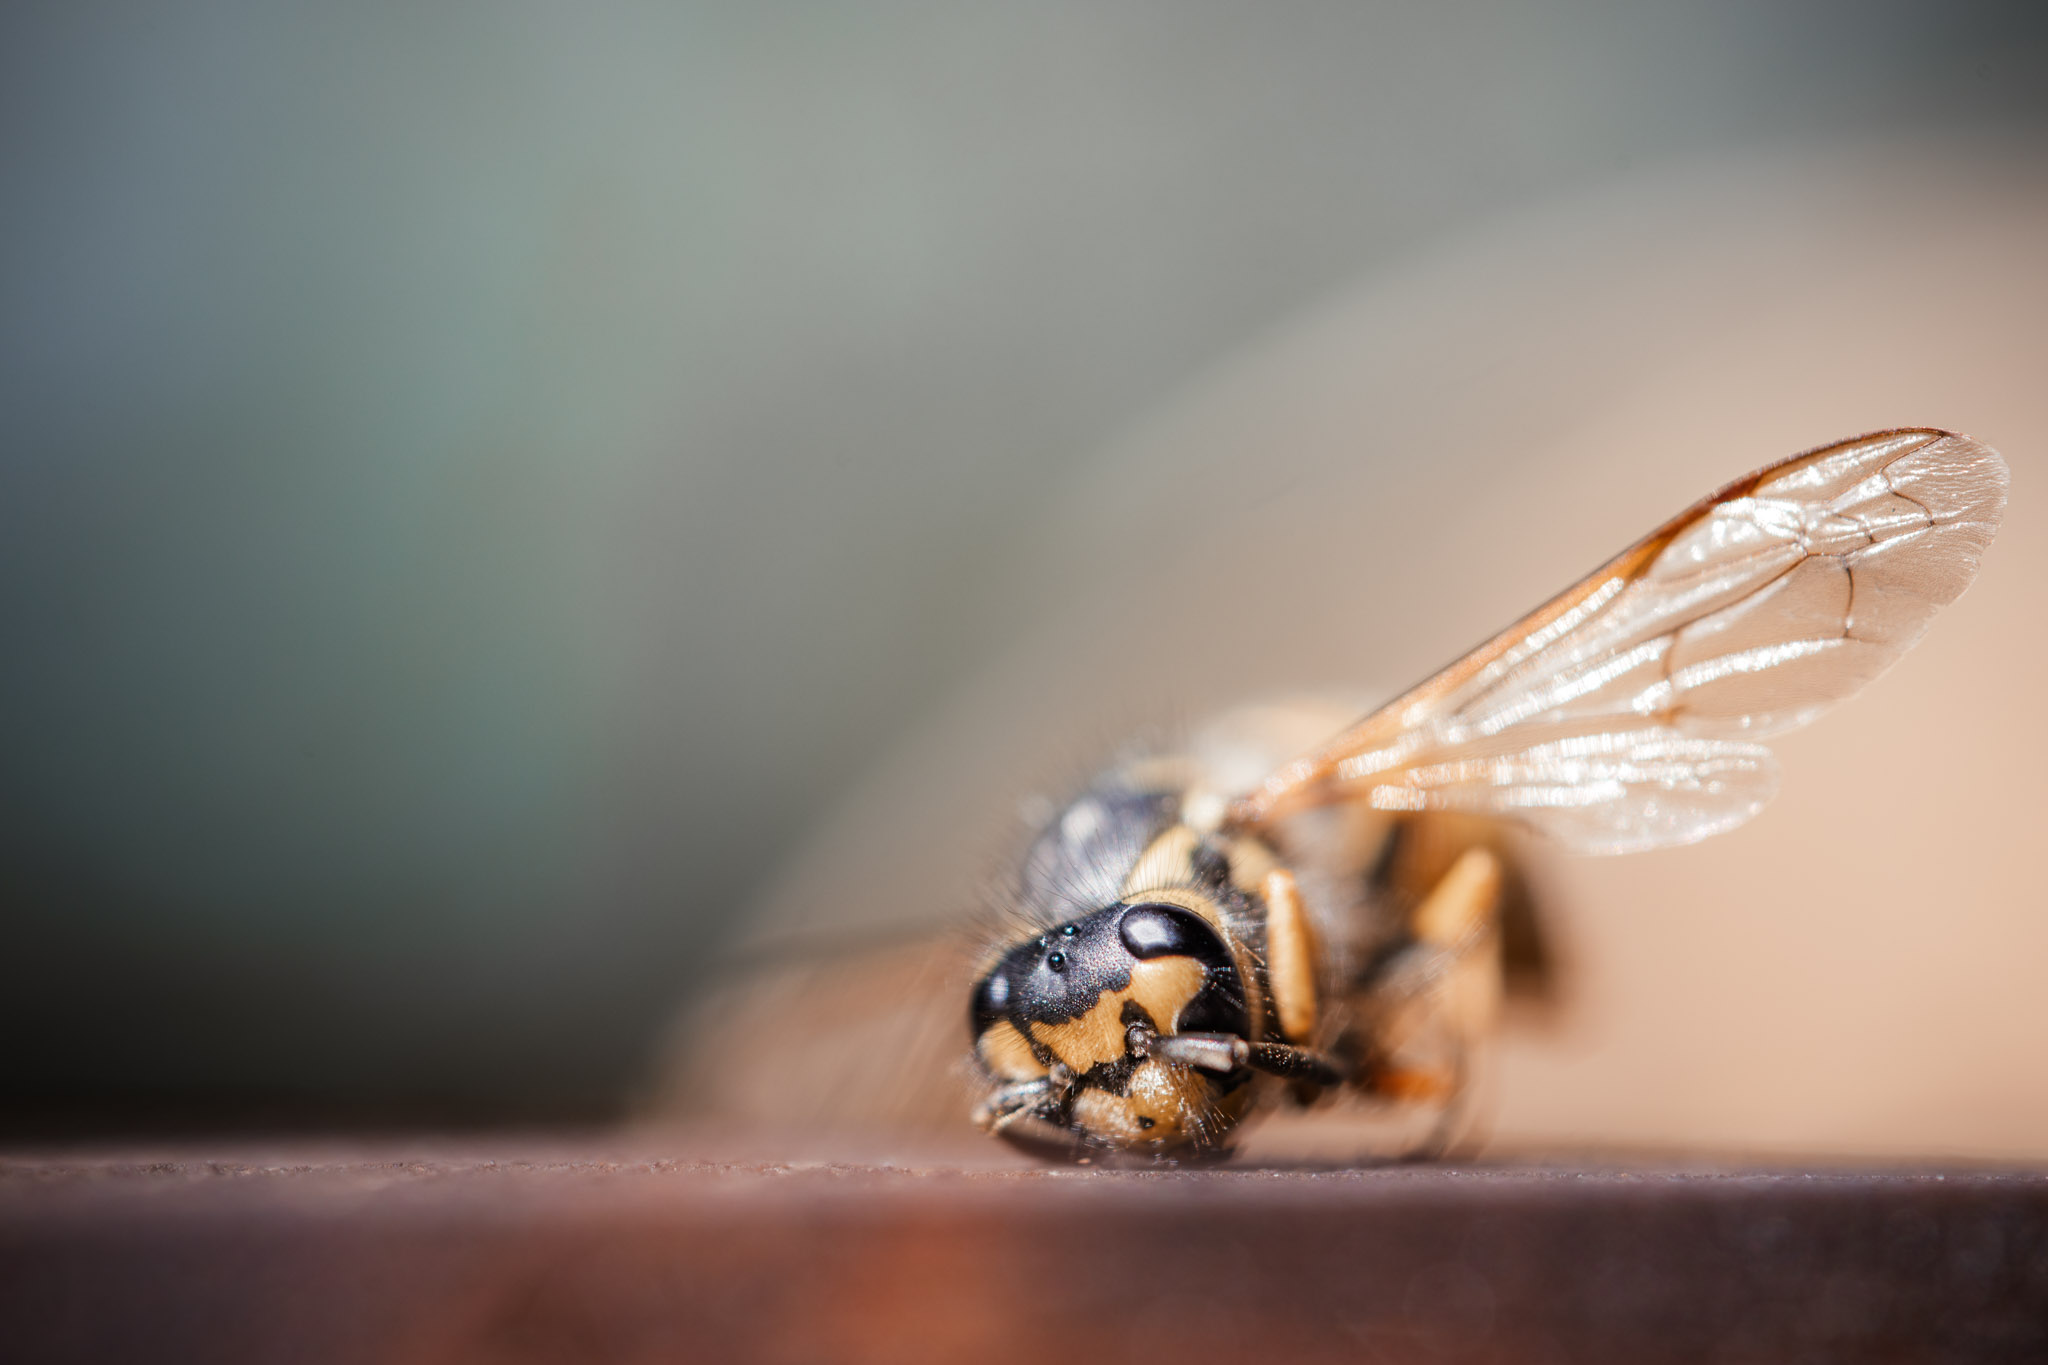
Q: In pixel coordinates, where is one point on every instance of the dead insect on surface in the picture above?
(1263, 921)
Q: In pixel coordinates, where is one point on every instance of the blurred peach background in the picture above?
(501, 502)
(1378, 485)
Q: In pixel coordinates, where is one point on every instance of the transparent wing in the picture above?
(834, 1039)
(1625, 713)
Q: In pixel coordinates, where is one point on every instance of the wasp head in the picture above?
(1060, 1020)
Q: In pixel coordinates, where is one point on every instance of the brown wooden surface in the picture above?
(619, 1249)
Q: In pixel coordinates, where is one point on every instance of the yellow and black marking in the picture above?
(1007, 1054)
(1157, 924)
(1063, 1004)
(1223, 878)
(1160, 989)
(1161, 1106)
(1420, 856)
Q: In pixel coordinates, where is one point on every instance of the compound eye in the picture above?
(995, 992)
(991, 999)
(1150, 931)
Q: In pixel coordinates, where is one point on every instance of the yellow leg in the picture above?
(1291, 957)
(1460, 907)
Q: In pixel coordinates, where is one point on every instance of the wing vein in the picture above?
(1624, 714)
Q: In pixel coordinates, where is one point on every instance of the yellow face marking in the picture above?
(1292, 961)
(1162, 987)
(1006, 1054)
(1097, 1036)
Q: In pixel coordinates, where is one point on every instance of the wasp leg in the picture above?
(1430, 1001)
(1013, 1102)
(1419, 1084)
(1226, 1052)
(1292, 957)
(1218, 1052)
(1055, 1144)
(1043, 1095)
(1461, 907)
(1296, 1063)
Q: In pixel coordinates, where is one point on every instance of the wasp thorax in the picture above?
(1061, 1012)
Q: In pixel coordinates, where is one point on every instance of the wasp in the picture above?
(1242, 926)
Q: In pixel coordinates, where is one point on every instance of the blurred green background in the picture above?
(478, 480)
